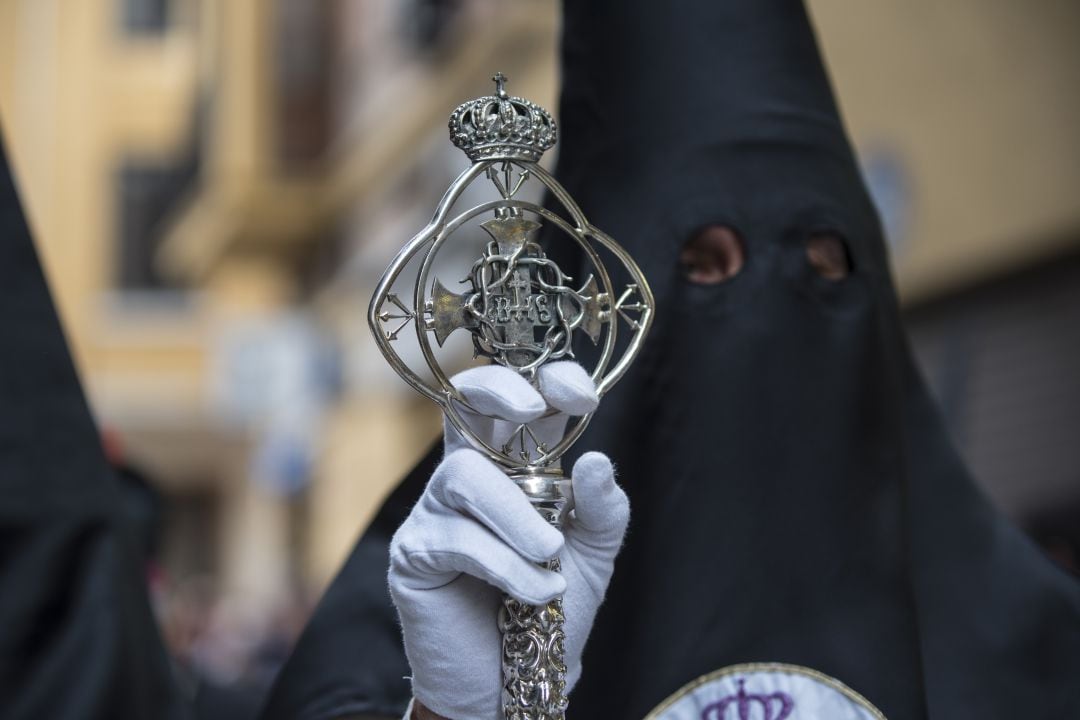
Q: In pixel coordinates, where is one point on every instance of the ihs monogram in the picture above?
(520, 306)
(524, 305)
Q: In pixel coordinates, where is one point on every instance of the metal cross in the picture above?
(500, 85)
(517, 318)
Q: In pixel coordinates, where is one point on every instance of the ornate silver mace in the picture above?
(522, 311)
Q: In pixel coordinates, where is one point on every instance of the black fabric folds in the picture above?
(795, 497)
(77, 639)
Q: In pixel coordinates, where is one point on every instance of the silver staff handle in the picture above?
(533, 636)
(521, 311)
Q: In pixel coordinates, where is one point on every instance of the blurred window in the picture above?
(303, 53)
(148, 194)
(426, 24)
(146, 17)
(1001, 358)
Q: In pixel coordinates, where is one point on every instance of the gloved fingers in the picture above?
(427, 556)
(567, 387)
(472, 485)
(492, 392)
(502, 401)
(496, 391)
(601, 508)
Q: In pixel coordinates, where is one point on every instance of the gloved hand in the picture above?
(474, 536)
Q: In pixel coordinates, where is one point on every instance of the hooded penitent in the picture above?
(795, 498)
(77, 639)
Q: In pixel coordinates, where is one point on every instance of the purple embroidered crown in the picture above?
(776, 706)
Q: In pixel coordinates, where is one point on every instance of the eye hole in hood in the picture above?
(828, 256)
(712, 255)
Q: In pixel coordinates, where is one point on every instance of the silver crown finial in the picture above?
(501, 127)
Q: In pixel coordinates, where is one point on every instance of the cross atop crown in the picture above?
(500, 85)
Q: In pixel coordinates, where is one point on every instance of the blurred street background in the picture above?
(215, 187)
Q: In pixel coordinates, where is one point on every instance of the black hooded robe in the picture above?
(77, 638)
(795, 498)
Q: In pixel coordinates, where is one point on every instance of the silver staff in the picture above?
(522, 311)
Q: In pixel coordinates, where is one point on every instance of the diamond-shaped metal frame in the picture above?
(436, 234)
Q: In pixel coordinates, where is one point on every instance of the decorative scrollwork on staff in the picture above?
(534, 674)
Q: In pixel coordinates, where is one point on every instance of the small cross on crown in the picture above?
(500, 85)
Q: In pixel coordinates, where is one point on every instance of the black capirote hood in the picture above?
(77, 638)
(795, 497)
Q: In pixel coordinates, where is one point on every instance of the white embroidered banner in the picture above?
(766, 691)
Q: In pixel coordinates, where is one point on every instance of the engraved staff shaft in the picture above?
(533, 637)
(521, 311)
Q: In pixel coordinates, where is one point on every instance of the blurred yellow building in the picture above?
(213, 186)
(216, 186)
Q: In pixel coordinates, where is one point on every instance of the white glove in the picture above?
(474, 536)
